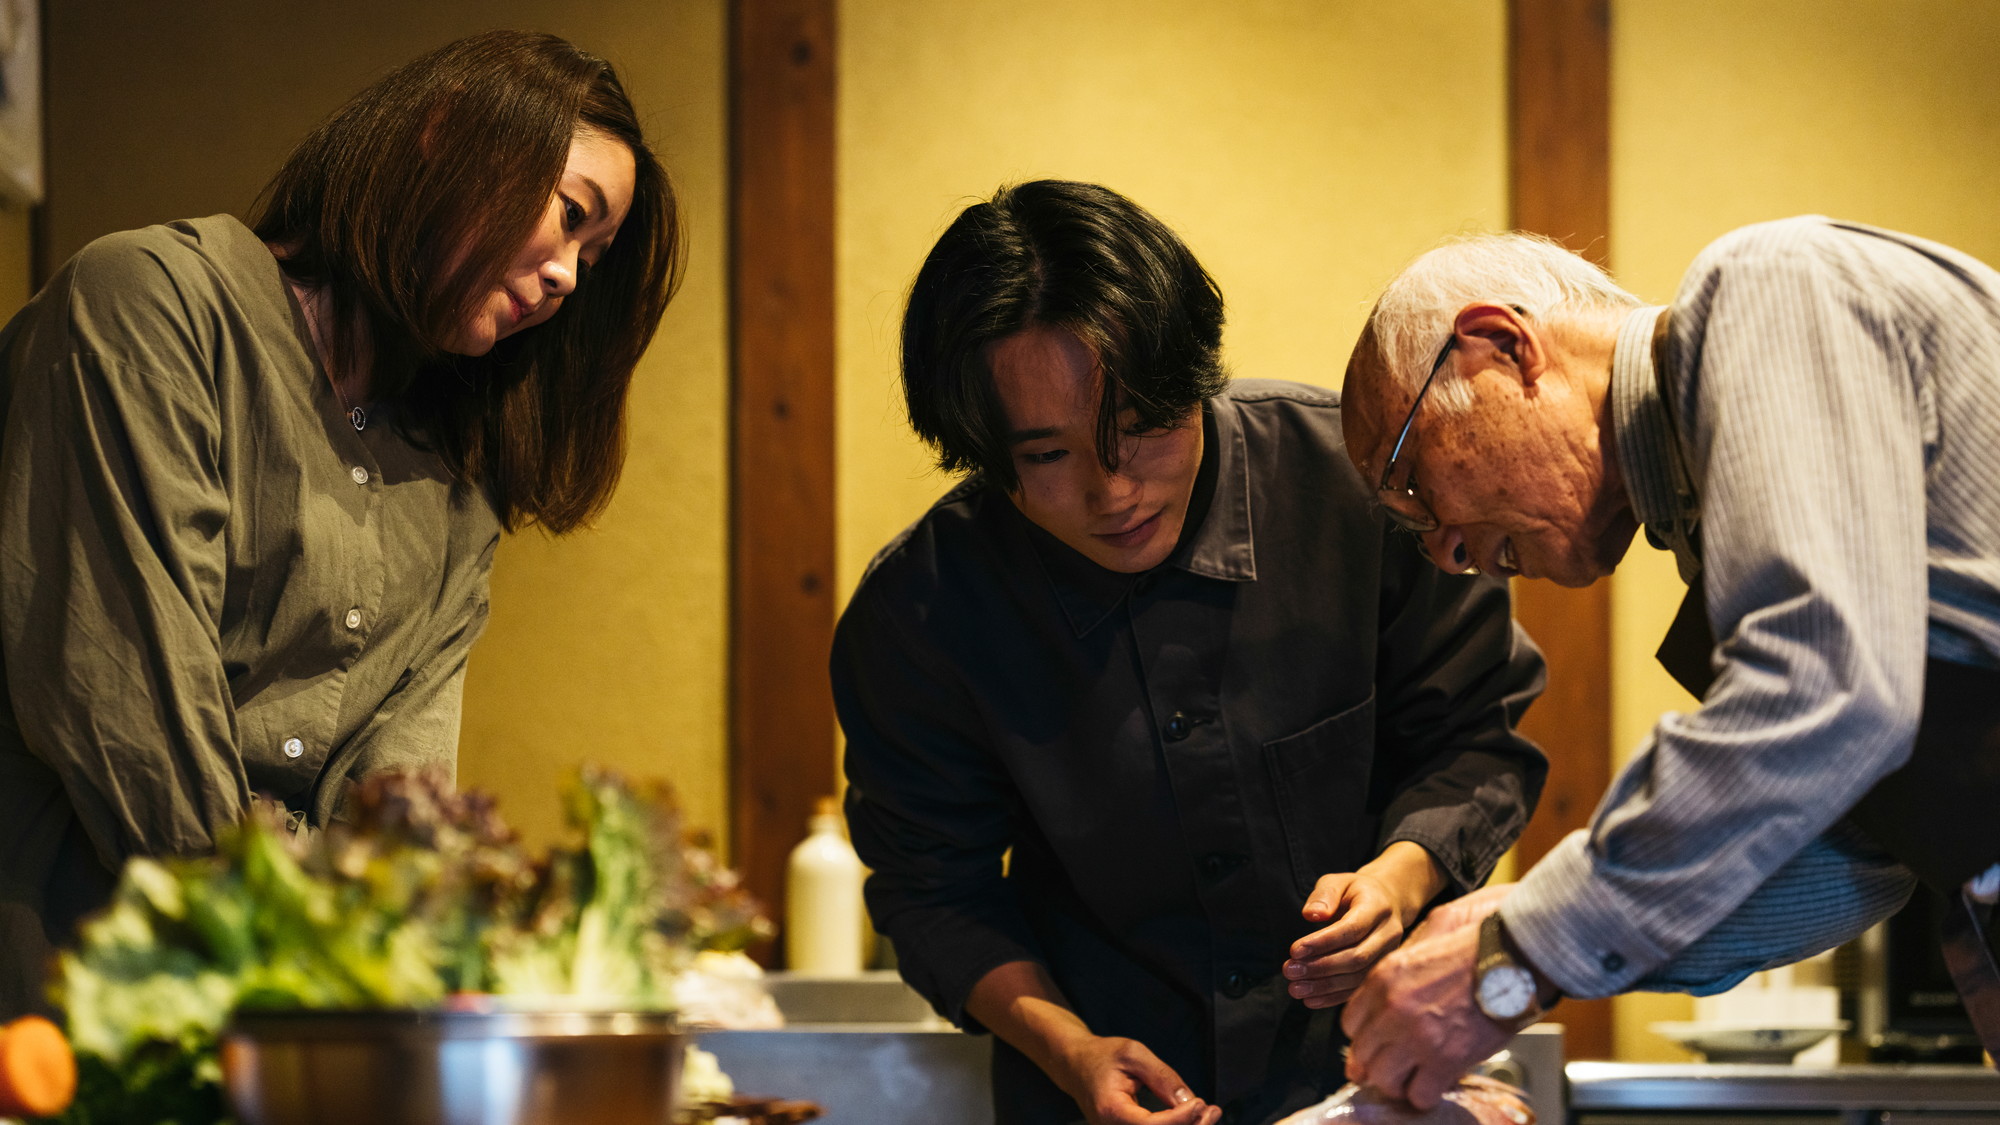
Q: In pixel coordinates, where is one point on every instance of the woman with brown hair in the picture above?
(252, 477)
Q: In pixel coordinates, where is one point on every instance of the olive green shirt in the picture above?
(211, 585)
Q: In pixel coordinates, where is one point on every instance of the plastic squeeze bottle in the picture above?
(824, 917)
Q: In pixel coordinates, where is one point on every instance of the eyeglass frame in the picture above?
(1429, 522)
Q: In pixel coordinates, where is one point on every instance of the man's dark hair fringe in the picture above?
(1067, 255)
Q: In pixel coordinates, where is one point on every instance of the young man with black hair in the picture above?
(1162, 647)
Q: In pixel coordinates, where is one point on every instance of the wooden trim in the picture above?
(1559, 121)
(40, 269)
(1559, 85)
(781, 269)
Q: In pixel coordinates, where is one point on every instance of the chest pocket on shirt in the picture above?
(1319, 778)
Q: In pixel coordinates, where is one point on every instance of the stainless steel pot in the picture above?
(452, 1068)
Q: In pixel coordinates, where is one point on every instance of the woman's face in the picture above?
(574, 232)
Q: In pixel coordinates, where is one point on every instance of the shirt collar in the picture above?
(1221, 547)
(1640, 428)
(1643, 433)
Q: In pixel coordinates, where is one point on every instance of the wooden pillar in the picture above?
(1559, 79)
(781, 268)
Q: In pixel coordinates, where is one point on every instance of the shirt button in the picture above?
(1178, 727)
(1612, 962)
(354, 619)
(1215, 865)
(294, 748)
(359, 474)
(1235, 985)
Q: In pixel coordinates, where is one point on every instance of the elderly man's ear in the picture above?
(1498, 336)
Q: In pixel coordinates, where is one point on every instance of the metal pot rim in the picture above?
(434, 1024)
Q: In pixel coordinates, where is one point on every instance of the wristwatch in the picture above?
(1502, 986)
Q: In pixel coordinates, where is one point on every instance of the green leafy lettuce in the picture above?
(422, 892)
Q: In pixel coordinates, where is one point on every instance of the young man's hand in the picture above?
(1106, 1075)
(1362, 916)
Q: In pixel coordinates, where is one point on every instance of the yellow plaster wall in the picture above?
(1304, 148)
(611, 645)
(608, 645)
(1727, 112)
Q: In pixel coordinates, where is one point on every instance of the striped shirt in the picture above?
(1834, 391)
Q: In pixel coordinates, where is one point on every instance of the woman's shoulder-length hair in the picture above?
(413, 198)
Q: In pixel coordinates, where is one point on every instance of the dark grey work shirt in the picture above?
(1174, 758)
(211, 586)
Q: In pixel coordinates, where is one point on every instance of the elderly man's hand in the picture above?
(1414, 1025)
(1468, 910)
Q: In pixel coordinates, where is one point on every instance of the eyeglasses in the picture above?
(1424, 521)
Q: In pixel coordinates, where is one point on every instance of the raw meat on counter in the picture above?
(1474, 1101)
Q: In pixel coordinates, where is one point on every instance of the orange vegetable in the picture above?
(37, 1070)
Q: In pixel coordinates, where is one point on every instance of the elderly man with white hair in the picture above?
(1813, 428)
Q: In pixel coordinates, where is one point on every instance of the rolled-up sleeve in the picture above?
(1807, 441)
(1455, 675)
(113, 516)
(930, 810)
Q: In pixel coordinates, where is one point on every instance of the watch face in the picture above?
(1506, 992)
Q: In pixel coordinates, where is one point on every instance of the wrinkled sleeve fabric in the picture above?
(930, 810)
(1454, 676)
(1806, 443)
(1836, 887)
(112, 515)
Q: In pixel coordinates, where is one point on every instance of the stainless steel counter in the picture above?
(865, 1073)
(870, 1052)
(1848, 1090)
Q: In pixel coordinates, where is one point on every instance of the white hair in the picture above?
(1535, 275)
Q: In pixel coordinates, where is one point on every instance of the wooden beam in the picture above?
(1559, 80)
(782, 430)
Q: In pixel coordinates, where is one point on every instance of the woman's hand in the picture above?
(1106, 1075)
(1362, 915)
